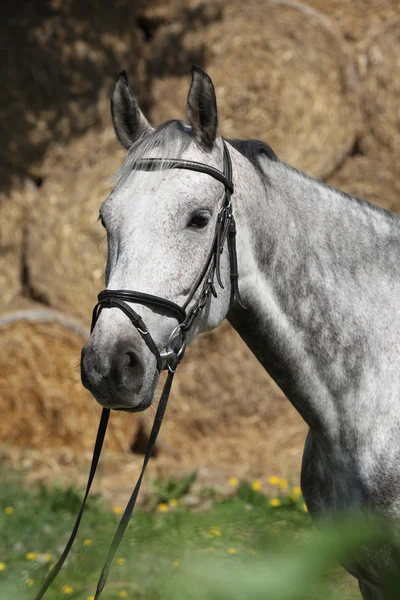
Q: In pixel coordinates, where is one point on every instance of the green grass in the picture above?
(241, 547)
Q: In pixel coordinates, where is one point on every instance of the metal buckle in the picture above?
(170, 355)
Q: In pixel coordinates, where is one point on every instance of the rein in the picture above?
(172, 355)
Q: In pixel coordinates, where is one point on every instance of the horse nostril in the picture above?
(127, 369)
(135, 364)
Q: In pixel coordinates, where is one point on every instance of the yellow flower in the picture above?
(214, 532)
(210, 549)
(256, 485)
(87, 542)
(275, 531)
(232, 550)
(2, 566)
(173, 502)
(9, 510)
(117, 510)
(295, 494)
(305, 507)
(123, 594)
(273, 480)
(30, 582)
(253, 552)
(275, 502)
(162, 507)
(233, 481)
(283, 484)
(120, 561)
(90, 598)
(31, 556)
(67, 589)
(176, 562)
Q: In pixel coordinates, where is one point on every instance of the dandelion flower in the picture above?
(2, 566)
(120, 561)
(117, 510)
(90, 598)
(162, 507)
(283, 484)
(210, 549)
(214, 532)
(232, 550)
(31, 556)
(233, 481)
(47, 556)
(30, 582)
(123, 594)
(275, 502)
(295, 494)
(173, 502)
(176, 562)
(256, 485)
(273, 480)
(9, 510)
(305, 507)
(87, 542)
(67, 589)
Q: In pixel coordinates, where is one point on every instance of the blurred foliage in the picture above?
(164, 489)
(235, 549)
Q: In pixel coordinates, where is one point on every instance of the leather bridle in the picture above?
(171, 356)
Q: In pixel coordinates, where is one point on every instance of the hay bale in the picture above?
(372, 178)
(14, 215)
(40, 390)
(59, 86)
(206, 427)
(380, 89)
(282, 71)
(66, 245)
(357, 18)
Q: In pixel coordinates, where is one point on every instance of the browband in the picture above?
(155, 164)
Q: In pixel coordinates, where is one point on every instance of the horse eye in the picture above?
(199, 221)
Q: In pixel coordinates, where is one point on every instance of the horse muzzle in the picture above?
(116, 378)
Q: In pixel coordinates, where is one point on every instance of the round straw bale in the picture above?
(14, 211)
(42, 398)
(372, 178)
(66, 245)
(282, 72)
(59, 86)
(380, 89)
(358, 17)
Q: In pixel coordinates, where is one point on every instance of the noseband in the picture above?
(168, 358)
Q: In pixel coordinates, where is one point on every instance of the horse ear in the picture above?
(202, 108)
(129, 122)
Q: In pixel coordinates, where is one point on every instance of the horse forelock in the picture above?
(167, 141)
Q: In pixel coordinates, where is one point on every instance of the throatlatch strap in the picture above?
(96, 455)
(123, 524)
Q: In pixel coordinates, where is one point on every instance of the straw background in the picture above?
(317, 80)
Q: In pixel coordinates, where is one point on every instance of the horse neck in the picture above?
(310, 261)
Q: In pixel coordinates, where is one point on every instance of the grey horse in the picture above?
(319, 274)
